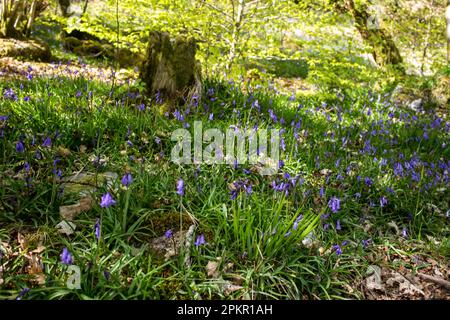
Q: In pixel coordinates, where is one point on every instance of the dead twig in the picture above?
(439, 281)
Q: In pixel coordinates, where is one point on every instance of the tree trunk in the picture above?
(9, 18)
(31, 18)
(385, 52)
(170, 70)
(236, 32)
(64, 7)
(447, 16)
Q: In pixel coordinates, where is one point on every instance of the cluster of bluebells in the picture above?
(287, 184)
(238, 186)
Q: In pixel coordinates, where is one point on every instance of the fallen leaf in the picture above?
(405, 286)
(229, 288)
(212, 269)
(373, 282)
(23, 241)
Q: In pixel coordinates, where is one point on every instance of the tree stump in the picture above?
(170, 70)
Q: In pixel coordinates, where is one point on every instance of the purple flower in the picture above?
(338, 249)
(180, 187)
(405, 233)
(20, 147)
(200, 240)
(168, 234)
(127, 179)
(66, 257)
(47, 142)
(368, 181)
(9, 94)
(97, 229)
(398, 169)
(383, 201)
(107, 200)
(365, 243)
(22, 293)
(334, 204)
(338, 225)
(297, 221)
(141, 107)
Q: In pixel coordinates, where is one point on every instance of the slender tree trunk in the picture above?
(8, 29)
(385, 52)
(31, 18)
(447, 16)
(427, 39)
(236, 32)
(86, 2)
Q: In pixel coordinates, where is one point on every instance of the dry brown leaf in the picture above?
(229, 288)
(83, 148)
(70, 212)
(405, 286)
(212, 269)
(38, 250)
(23, 241)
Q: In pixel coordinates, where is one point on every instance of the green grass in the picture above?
(249, 232)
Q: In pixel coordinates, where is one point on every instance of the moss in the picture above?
(32, 49)
(170, 67)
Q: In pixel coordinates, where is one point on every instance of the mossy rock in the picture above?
(89, 48)
(31, 49)
(70, 43)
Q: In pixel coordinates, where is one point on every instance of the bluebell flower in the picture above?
(180, 187)
(368, 181)
(22, 293)
(66, 257)
(107, 200)
(127, 179)
(405, 233)
(200, 240)
(97, 229)
(334, 204)
(20, 147)
(168, 234)
(47, 142)
(383, 201)
(337, 249)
